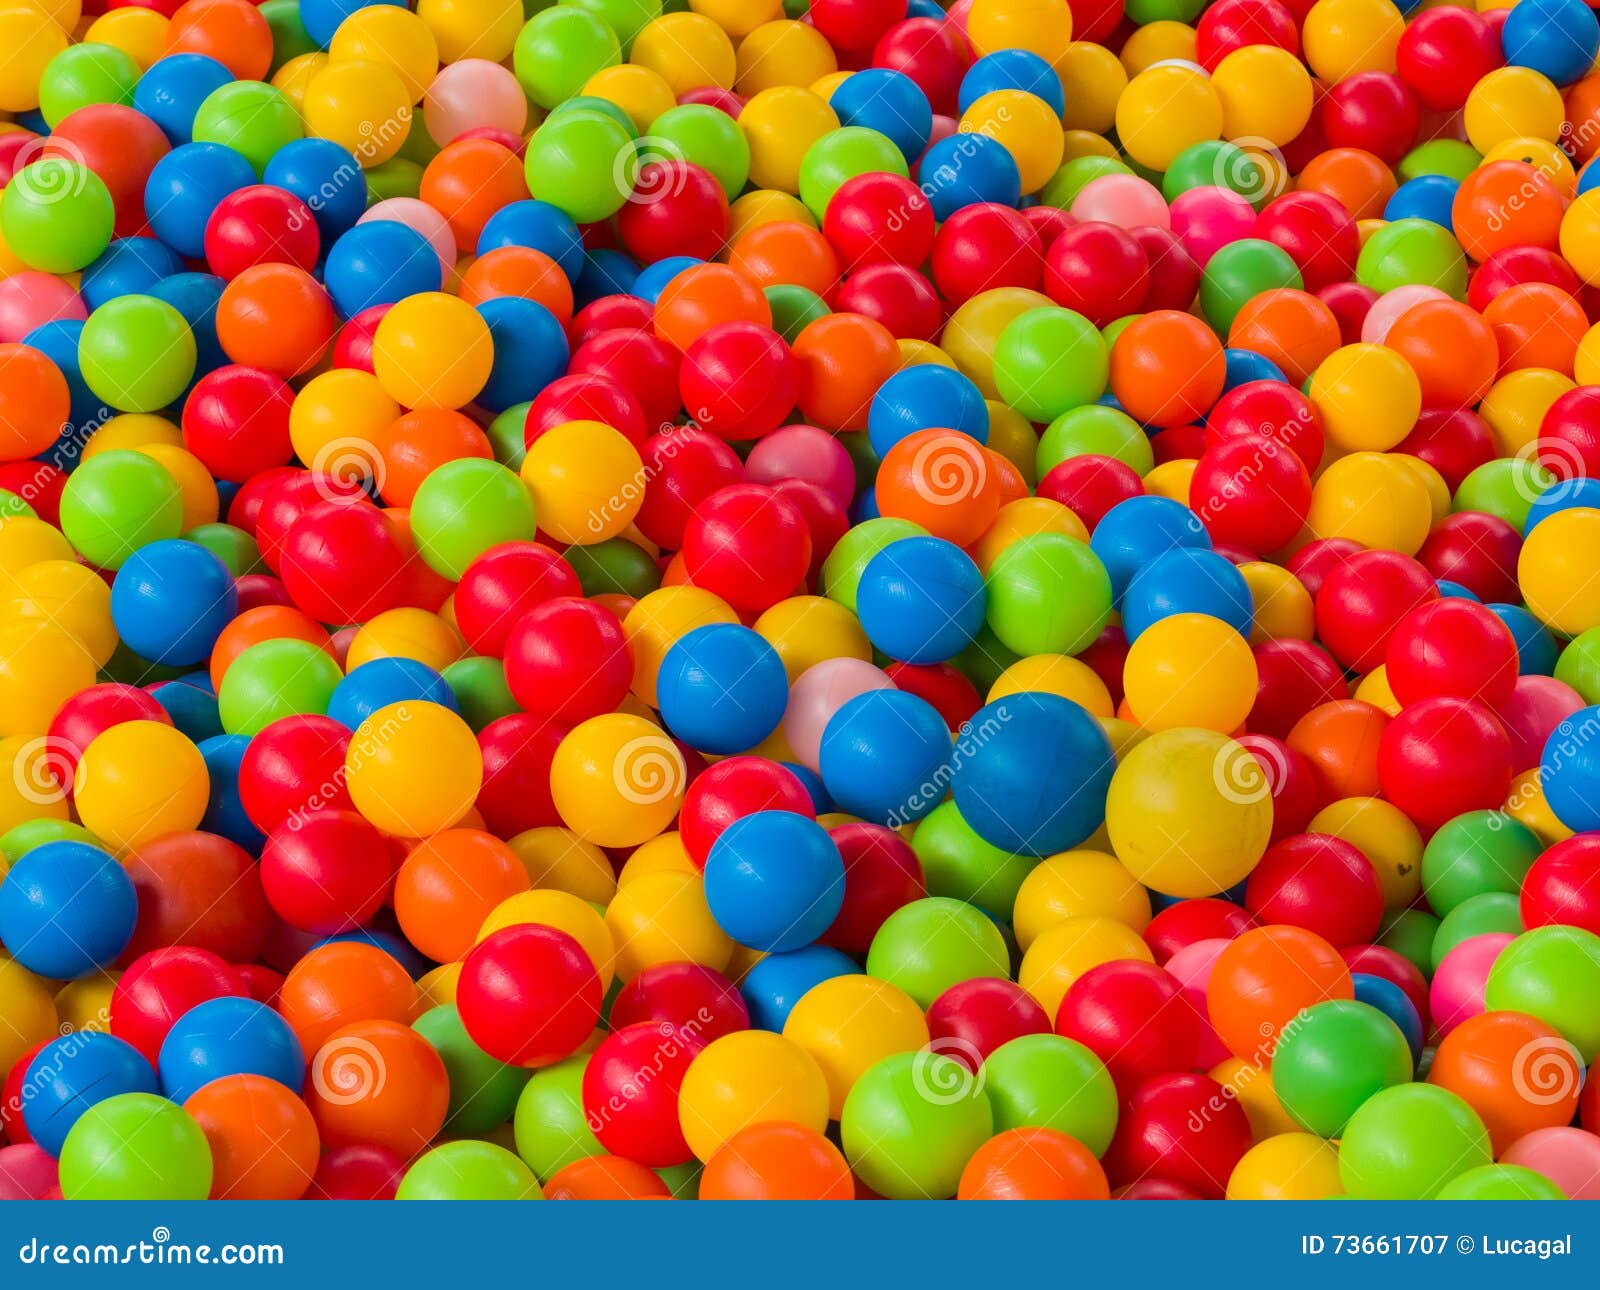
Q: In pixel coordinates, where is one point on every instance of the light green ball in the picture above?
(842, 570)
(1048, 361)
(1098, 430)
(273, 679)
(1334, 1056)
(84, 75)
(559, 50)
(136, 1146)
(483, 1091)
(1049, 1081)
(57, 215)
(1552, 973)
(550, 1126)
(469, 1170)
(466, 506)
(1579, 665)
(1505, 487)
(1409, 1142)
(253, 119)
(583, 163)
(1048, 593)
(1475, 854)
(1413, 251)
(929, 945)
(956, 862)
(1501, 1182)
(842, 155)
(911, 1123)
(137, 353)
(117, 502)
(704, 135)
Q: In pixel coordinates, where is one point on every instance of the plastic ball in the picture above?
(136, 1146)
(1409, 1142)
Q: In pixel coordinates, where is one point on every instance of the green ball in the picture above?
(252, 118)
(20, 839)
(466, 506)
(289, 36)
(956, 862)
(1331, 1058)
(276, 678)
(705, 135)
(397, 177)
(1552, 973)
(794, 308)
(583, 163)
(1408, 1142)
(233, 546)
(594, 103)
(1048, 594)
(625, 17)
(559, 50)
(128, 668)
(137, 353)
(483, 1091)
(56, 214)
(1048, 361)
(117, 502)
(1238, 273)
(136, 1146)
(841, 155)
(1483, 915)
(1063, 187)
(1448, 157)
(842, 570)
(911, 1123)
(929, 945)
(985, 659)
(469, 1170)
(683, 1181)
(11, 504)
(1579, 665)
(482, 694)
(1475, 854)
(1505, 487)
(1408, 251)
(1215, 163)
(418, 146)
(1049, 1081)
(83, 75)
(614, 567)
(1409, 933)
(1501, 1182)
(508, 436)
(1141, 12)
(1098, 430)
(550, 1127)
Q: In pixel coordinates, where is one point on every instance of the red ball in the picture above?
(1183, 1129)
(360, 1171)
(825, 515)
(326, 872)
(12, 1127)
(972, 1018)
(1189, 921)
(288, 498)
(342, 562)
(1294, 676)
(632, 1118)
(855, 24)
(1097, 270)
(881, 874)
(88, 714)
(1107, 656)
(1442, 757)
(37, 483)
(1562, 888)
(738, 380)
(1050, 222)
(1269, 409)
(352, 347)
(293, 767)
(1090, 485)
(502, 585)
(199, 890)
(1291, 780)
(1134, 1018)
(236, 421)
(1255, 493)
(1321, 883)
(1174, 274)
(1477, 550)
(159, 987)
(725, 101)
(944, 685)
(528, 995)
(567, 659)
(1455, 648)
(1444, 52)
(1350, 302)
(895, 295)
(879, 218)
(1455, 443)
(696, 999)
(732, 789)
(1316, 232)
(585, 398)
(1313, 562)
(1155, 1189)
(120, 145)
(1391, 966)
(245, 509)
(517, 752)
(1362, 601)
(749, 545)
(643, 364)
(682, 467)
(260, 224)
(932, 52)
(1233, 24)
(984, 246)
(676, 208)
(1512, 267)
(1374, 111)
(610, 313)
(1569, 436)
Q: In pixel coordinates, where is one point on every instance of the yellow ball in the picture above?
(1159, 42)
(1055, 674)
(1527, 804)
(1093, 80)
(1266, 94)
(1251, 1087)
(1042, 27)
(1066, 950)
(663, 918)
(766, 206)
(138, 780)
(1025, 126)
(1374, 499)
(687, 50)
(432, 350)
(744, 1078)
(132, 431)
(1343, 37)
(141, 34)
(1189, 812)
(406, 633)
(335, 418)
(394, 37)
(638, 91)
(31, 40)
(438, 985)
(783, 53)
(86, 1004)
(1077, 884)
(587, 482)
(1172, 479)
(1580, 236)
(1512, 103)
(780, 124)
(1543, 155)
(25, 541)
(738, 17)
(486, 29)
(1086, 143)
(824, 86)
(1586, 366)
(1368, 396)
(294, 78)
(30, 787)
(1374, 689)
(1166, 109)
(29, 1011)
(557, 859)
(914, 353)
(1385, 835)
(1283, 607)
(663, 854)
(564, 912)
(41, 667)
(850, 1023)
(67, 595)
(1288, 1166)
(1025, 517)
(617, 780)
(1012, 436)
(1558, 571)
(1433, 481)
(362, 106)
(413, 768)
(201, 502)
(659, 620)
(975, 326)
(1190, 670)
(806, 630)
(1515, 406)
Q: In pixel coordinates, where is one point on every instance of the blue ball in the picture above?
(865, 506)
(774, 881)
(1588, 177)
(129, 266)
(774, 985)
(722, 688)
(965, 169)
(1187, 581)
(171, 600)
(1012, 69)
(1388, 998)
(1563, 495)
(228, 1036)
(540, 225)
(383, 681)
(225, 814)
(184, 188)
(1537, 651)
(652, 279)
(172, 89)
(1558, 38)
(321, 18)
(191, 704)
(70, 1074)
(380, 262)
(58, 341)
(605, 273)
(326, 177)
(922, 398)
(195, 296)
(66, 909)
(395, 947)
(1569, 771)
(921, 600)
(821, 803)
(1031, 773)
(1245, 365)
(1454, 590)
(530, 351)
(889, 102)
(1426, 197)
(1134, 532)
(885, 756)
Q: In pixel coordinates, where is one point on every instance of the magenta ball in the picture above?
(1124, 200)
(804, 452)
(1207, 219)
(1537, 706)
(1456, 992)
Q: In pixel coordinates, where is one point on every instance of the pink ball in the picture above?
(1457, 989)
(1537, 706)
(418, 216)
(1207, 219)
(804, 452)
(1191, 968)
(1124, 200)
(1388, 307)
(820, 691)
(1568, 1157)
(30, 299)
(473, 94)
(27, 1171)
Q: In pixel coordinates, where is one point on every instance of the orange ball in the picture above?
(1293, 328)
(1582, 104)
(264, 1143)
(417, 443)
(341, 984)
(1359, 181)
(1262, 980)
(942, 480)
(276, 317)
(1341, 741)
(1536, 324)
(777, 1160)
(518, 271)
(1503, 204)
(702, 297)
(786, 252)
(468, 181)
(449, 884)
(231, 31)
(1008, 479)
(1450, 348)
(1515, 1071)
(378, 1083)
(34, 402)
(1167, 368)
(1033, 1163)
(606, 1178)
(843, 358)
(264, 623)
